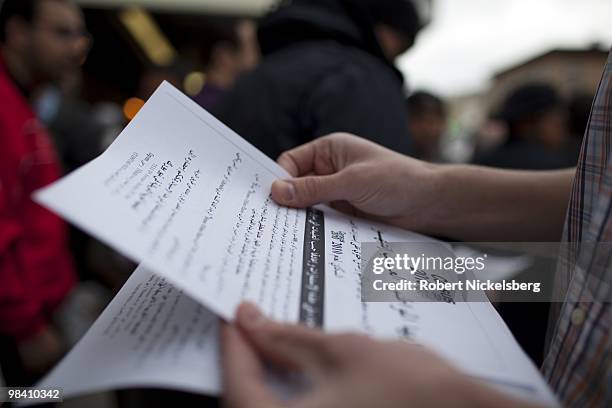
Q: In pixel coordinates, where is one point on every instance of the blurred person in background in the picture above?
(328, 65)
(537, 120)
(154, 75)
(536, 130)
(233, 51)
(427, 120)
(579, 109)
(40, 41)
(538, 137)
(71, 122)
(77, 136)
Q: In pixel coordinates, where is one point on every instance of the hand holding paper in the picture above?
(345, 369)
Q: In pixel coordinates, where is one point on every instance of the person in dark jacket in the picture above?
(536, 116)
(427, 122)
(231, 50)
(327, 67)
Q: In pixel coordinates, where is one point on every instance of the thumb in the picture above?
(310, 190)
(287, 346)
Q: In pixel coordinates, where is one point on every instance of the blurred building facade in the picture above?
(570, 71)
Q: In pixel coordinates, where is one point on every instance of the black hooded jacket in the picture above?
(323, 71)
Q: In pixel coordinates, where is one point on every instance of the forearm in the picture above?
(483, 204)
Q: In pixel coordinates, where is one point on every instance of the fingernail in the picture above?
(249, 316)
(287, 191)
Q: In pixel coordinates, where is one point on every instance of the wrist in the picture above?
(431, 213)
(457, 206)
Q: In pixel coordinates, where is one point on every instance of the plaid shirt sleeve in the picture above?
(578, 364)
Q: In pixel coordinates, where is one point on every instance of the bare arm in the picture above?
(463, 202)
(485, 204)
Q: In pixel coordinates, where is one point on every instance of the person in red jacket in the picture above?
(40, 41)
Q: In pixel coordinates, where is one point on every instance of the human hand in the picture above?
(41, 352)
(346, 370)
(356, 175)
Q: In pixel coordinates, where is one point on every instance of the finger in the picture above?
(307, 191)
(243, 373)
(314, 157)
(298, 161)
(287, 346)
